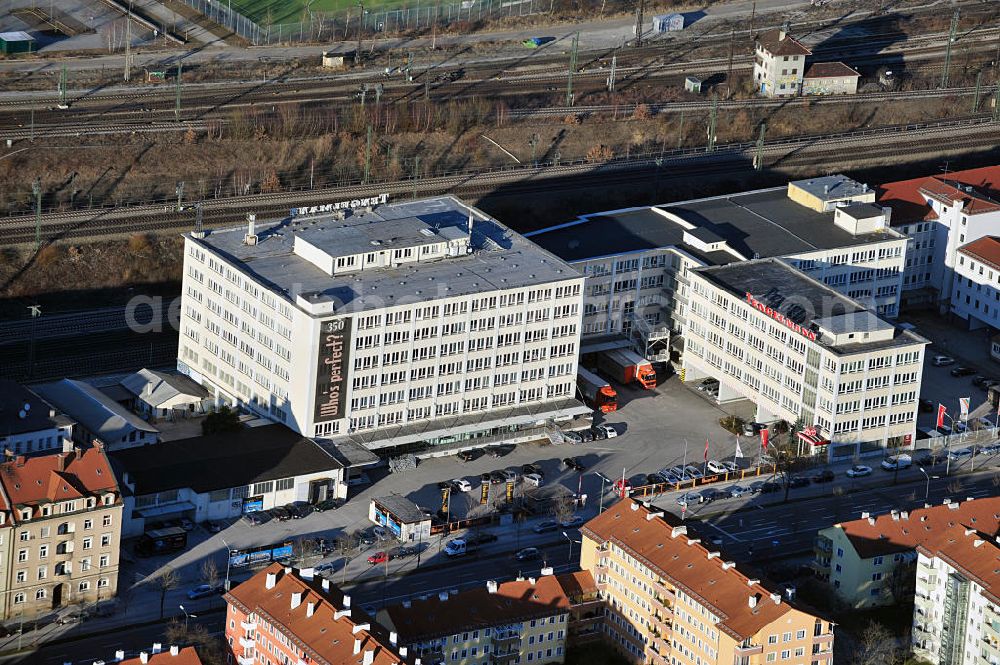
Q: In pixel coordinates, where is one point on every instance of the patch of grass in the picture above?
(293, 11)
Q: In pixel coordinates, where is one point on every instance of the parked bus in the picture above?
(161, 541)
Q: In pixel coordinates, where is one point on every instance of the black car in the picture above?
(824, 476)
(598, 433)
(962, 370)
(586, 435)
(486, 478)
(532, 468)
(653, 479)
(798, 481)
(328, 504)
(497, 477)
(926, 406)
(280, 514)
(574, 463)
(714, 495)
(927, 460)
(770, 487)
(299, 509)
(528, 554)
(469, 455)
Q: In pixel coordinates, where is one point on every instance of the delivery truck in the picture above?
(596, 392)
(626, 366)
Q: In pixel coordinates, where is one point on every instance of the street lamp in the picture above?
(604, 479)
(186, 617)
(571, 541)
(927, 491)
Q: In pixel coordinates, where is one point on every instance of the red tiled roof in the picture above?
(686, 564)
(825, 70)
(32, 481)
(519, 600)
(985, 249)
(185, 656)
(775, 44)
(902, 532)
(325, 636)
(973, 553)
(908, 202)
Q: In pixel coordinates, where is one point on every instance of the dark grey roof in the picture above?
(38, 416)
(156, 388)
(102, 416)
(759, 224)
(863, 210)
(407, 511)
(222, 461)
(804, 300)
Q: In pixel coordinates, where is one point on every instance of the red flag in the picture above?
(942, 410)
(763, 438)
(706, 450)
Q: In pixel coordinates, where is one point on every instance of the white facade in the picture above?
(803, 353)
(779, 64)
(412, 323)
(956, 616)
(975, 295)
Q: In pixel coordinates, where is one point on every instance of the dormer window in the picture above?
(109, 499)
(26, 514)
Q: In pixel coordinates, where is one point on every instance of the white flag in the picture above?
(963, 402)
(739, 453)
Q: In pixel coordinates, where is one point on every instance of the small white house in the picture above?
(163, 395)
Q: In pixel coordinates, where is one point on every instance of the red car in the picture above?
(378, 557)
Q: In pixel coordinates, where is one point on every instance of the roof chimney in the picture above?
(752, 581)
(297, 598)
(340, 614)
(358, 627)
(369, 657)
(326, 584)
(651, 516)
(635, 506)
(443, 596)
(403, 651)
(712, 555)
(120, 655)
(726, 565)
(143, 657)
(357, 647)
(347, 601)
(393, 638)
(307, 573)
(678, 531)
(270, 580)
(531, 581)
(174, 650)
(310, 609)
(157, 647)
(251, 237)
(776, 597)
(694, 541)
(752, 601)
(548, 570)
(491, 586)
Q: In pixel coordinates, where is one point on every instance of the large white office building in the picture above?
(637, 260)
(804, 353)
(398, 325)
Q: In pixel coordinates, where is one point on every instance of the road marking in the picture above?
(725, 533)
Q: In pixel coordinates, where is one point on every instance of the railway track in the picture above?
(731, 158)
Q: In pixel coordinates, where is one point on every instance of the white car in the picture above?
(610, 431)
(731, 467)
(941, 361)
(859, 470)
(897, 462)
(715, 467)
(462, 485)
(532, 479)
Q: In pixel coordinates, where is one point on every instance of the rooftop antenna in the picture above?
(251, 236)
(199, 229)
(471, 221)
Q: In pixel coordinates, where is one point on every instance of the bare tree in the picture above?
(166, 581)
(563, 508)
(183, 633)
(210, 573)
(876, 646)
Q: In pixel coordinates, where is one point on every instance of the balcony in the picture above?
(248, 625)
(822, 637)
(246, 643)
(824, 545)
(747, 649)
(245, 660)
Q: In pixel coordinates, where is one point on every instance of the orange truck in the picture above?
(627, 366)
(596, 392)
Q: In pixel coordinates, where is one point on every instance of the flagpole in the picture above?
(685, 462)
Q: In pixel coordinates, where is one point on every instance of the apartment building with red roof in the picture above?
(62, 517)
(866, 560)
(527, 620)
(669, 599)
(288, 615)
(157, 655)
(941, 214)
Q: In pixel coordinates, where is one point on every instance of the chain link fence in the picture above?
(343, 25)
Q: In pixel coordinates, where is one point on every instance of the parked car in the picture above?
(689, 498)
(186, 524)
(609, 431)
(256, 517)
(213, 527)
(497, 477)
(469, 455)
(586, 435)
(324, 567)
(573, 437)
(509, 475)
(798, 481)
(379, 532)
(528, 554)
(533, 479)
(328, 504)
(572, 522)
(484, 478)
(824, 476)
(281, 514)
(574, 463)
(926, 406)
(897, 462)
(769, 487)
(927, 459)
(962, 370)
(715, 467)
(752, 428)
(532, 468)
(693, 472)
(378, 557)
(736, 491)
(983, 382)
(666, 476)
(204, 591)
(713, 494)
(708, 384)
(991, 449)
(299, 509)
(731, 467)
(960, 454)
(403, 552)
(496, 452)
(461, 485)
(859, 470)
(941, 361)
(678, 472)
(548, 526)
(597, 433)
